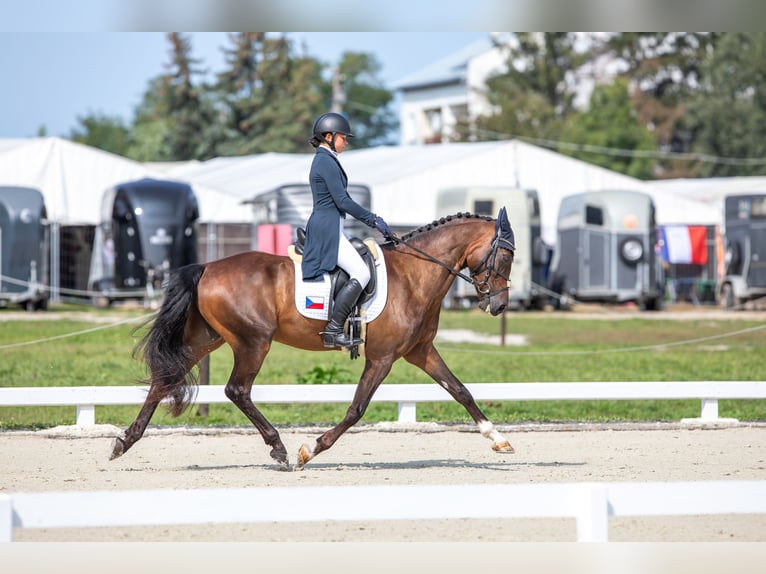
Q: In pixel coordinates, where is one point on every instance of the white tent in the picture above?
(73, 178)
(405, 180)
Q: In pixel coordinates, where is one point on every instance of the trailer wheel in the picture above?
(726, 299)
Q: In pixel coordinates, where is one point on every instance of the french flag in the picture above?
(684, 244)
(315, 303)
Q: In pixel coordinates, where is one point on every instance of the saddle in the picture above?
(338, 277)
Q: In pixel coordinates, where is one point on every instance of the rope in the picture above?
(606, 351)
(76, 333)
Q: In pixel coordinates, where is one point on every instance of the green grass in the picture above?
(561, 347)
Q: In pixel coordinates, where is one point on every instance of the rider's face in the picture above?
(341, 141)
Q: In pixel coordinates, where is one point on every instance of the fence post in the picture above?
(86, 415)
(6, 518)
(709, 409)
(407, 412)
(592, 513)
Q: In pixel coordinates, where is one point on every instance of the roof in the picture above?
(449, 70)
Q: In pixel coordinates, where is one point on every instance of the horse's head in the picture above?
(492, 275)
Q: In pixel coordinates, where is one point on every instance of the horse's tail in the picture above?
(163, 350)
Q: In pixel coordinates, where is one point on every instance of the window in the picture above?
(594, 215)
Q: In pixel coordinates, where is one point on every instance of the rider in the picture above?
(327, 245)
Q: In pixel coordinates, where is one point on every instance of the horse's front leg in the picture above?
(427, 358)
(373, 374)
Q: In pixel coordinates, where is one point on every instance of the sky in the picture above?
(50, 79)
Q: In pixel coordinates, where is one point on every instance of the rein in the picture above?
(481, 286)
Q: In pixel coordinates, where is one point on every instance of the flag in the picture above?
(314, 302)
(684, 244)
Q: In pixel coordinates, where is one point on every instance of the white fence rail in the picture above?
(406, 395)
(591, 504)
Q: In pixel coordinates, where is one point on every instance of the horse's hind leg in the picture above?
(427, 358)
(136, 430)
(246, 367)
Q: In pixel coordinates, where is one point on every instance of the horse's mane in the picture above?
(444, 220)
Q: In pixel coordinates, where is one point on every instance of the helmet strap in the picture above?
(331, 143)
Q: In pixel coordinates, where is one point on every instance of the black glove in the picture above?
(382, 226)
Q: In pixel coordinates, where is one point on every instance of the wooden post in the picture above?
(204, 379)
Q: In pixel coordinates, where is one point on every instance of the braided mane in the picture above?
(443, 221)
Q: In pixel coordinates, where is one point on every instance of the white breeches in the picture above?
(350, 261)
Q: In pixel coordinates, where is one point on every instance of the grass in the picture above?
(561, 347)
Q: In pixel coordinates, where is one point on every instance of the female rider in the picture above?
(327, 245)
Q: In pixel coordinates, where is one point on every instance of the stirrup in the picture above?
(332, 339)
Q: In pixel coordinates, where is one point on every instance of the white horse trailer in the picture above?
(532, 254)
(605, 249)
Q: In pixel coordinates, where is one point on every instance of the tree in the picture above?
(108, 133)
(151, 126)
(363, 98)
(729, 113)
(665, 70)
(269, 97)
(189, 113)
(536, 93)
(610, 124)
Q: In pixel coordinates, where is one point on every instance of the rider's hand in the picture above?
(383, 227)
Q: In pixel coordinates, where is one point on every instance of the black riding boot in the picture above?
(333, 334)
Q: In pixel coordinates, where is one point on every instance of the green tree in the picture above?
(190, 115)
(536, 93)
(269, 97)
(729, 113)
(108, 133)
(357, 87)
(610, 123)
(151, 126)
(665, 70)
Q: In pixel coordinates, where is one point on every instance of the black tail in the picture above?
(162, 348)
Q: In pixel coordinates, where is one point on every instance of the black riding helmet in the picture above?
(332, 123)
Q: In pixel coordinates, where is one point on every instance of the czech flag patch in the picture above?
(314, 302)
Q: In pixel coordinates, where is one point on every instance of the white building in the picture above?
(436, 97)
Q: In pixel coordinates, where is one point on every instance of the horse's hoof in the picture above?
(118, 448)
(503, 446)
(304, 455)
(280, 455)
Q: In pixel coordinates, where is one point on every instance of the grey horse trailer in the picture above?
(532, 254)
(24, 248)
(745, 250)
(605, 250)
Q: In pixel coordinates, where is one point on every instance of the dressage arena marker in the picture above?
(590, 504)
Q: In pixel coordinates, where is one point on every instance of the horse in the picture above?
(246, 300)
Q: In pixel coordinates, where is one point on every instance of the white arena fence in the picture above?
(590, 504)
(406, 396)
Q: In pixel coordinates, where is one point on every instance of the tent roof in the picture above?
(404, 180)
(73, 178)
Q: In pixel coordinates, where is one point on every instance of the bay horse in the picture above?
(247, 301)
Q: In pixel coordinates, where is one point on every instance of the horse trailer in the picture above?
(148, 227)
(24, 248)
(532, 254)
(606, 250)
(292, 205)
(745, 251)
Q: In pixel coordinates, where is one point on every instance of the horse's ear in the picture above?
(503, 227)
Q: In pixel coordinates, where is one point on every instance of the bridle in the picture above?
(486, 265)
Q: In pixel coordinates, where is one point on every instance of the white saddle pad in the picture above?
(313, 298)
